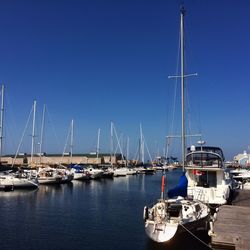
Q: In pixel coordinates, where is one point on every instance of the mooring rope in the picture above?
(204, 243)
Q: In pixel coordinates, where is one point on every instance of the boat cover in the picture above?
(180, 189)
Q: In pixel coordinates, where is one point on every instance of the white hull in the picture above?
(49, 180)
(167, 218)
(94, 173)
(6, 183)
(81, 176)
(24, 184)
(161, 232)
(120, 172)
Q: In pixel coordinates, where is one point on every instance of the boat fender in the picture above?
(145, 213)
(211, 230)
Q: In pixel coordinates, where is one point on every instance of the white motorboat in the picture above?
(168, 217)
(208, 180)
(240, 174)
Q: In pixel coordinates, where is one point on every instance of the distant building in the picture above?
(242, 159)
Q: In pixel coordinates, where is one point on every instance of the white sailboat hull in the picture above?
(168, 218)
(162, 232)
(49, 180)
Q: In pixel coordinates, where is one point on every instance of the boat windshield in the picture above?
(208, 149)
(204, 159)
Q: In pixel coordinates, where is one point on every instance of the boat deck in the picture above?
(232, 226)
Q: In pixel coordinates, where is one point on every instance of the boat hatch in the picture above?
(174, 210)
(197, 208)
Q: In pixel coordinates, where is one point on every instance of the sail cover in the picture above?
(180, 189)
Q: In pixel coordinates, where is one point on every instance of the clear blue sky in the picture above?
(99, 61)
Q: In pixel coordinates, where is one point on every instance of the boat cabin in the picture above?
(207, 180)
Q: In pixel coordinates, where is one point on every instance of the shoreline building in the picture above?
(242, 159)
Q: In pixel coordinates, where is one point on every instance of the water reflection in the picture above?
(18, 193)
(182, 241)
(92, 215)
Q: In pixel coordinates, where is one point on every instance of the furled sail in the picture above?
(180, 189)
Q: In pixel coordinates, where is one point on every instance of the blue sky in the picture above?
(99, 61)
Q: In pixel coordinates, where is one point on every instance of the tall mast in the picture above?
(183, 139)
(1, 121)
(71, 140)
(183, 76)
(141, 144)
(111, 143)
(127, 154)
(33, 131)
(42, 131)
(98, 145)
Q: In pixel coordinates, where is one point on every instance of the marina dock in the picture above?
(232, 225)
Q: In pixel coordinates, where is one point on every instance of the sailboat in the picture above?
(23, 178)
(176, 214)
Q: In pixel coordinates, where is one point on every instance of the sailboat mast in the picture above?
(141, 144)
(33, 131)
(127, 154)
(71, 140)
(42, 131)
(111, 143)
(183, 91)
(98, 145)
(1, 121)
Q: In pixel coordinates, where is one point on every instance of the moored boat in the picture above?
(208, 180)
(174, 216)
(48, 176)
(80, 173)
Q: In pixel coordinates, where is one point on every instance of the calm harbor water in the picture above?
(99, 215)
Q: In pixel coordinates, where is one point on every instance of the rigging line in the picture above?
(193, 58)
(20, 143)
(147, 148)
(66, 143)
(136, 156)
(53, 127)
(118, 142)
(9, 119)
(189, 114)
(204, 243)
(176, 84)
